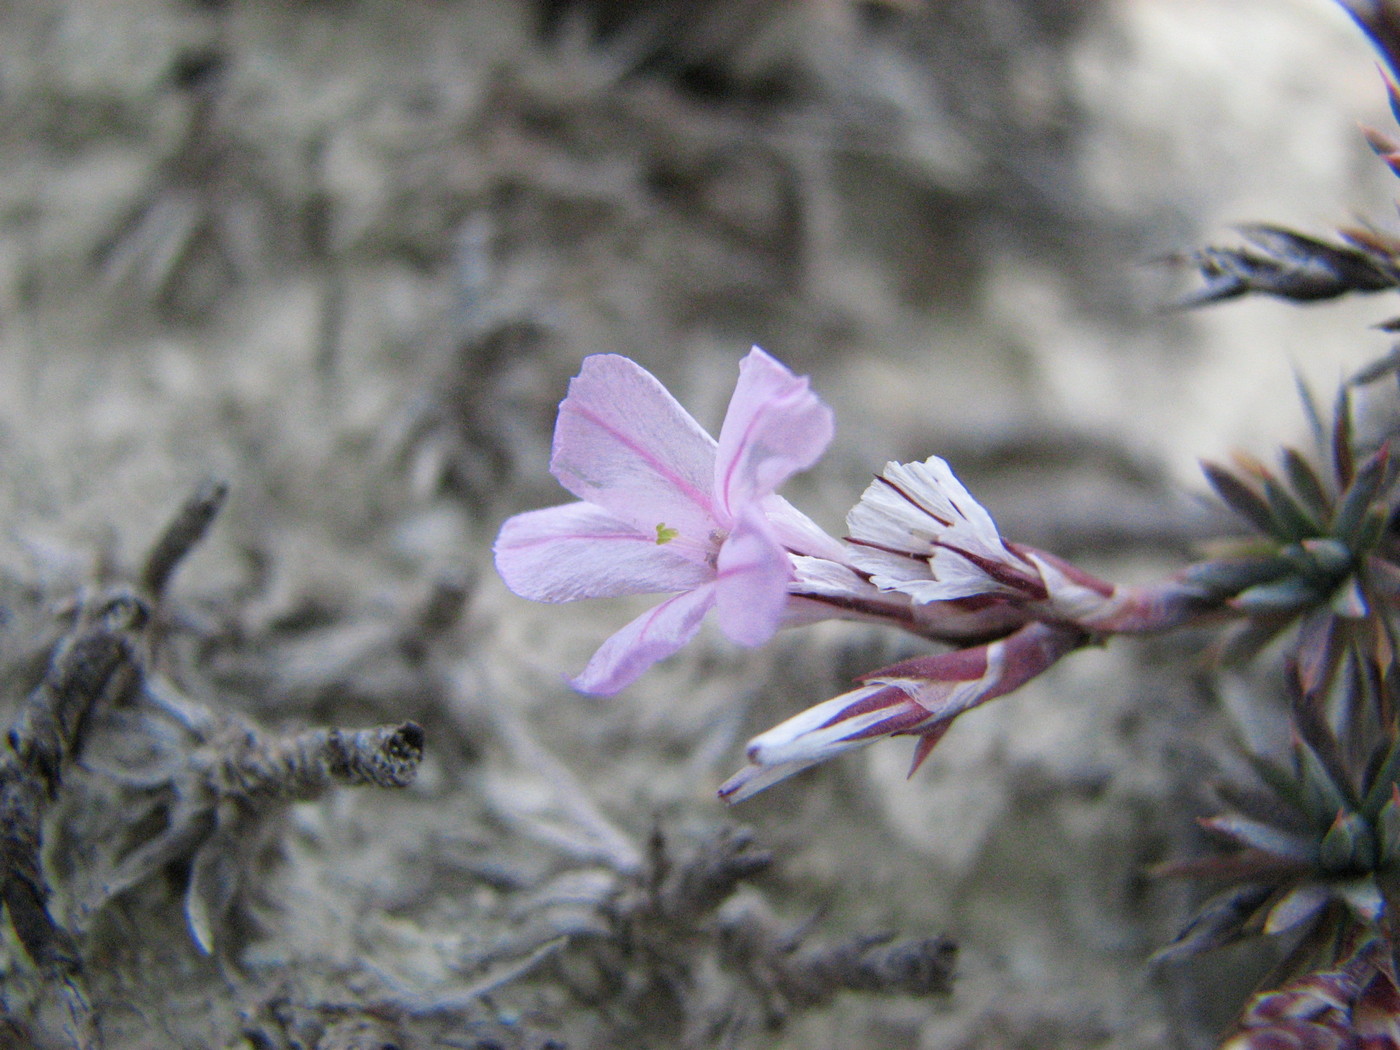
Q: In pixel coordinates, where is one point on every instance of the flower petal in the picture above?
(751, 587)
(917, 530)
(833, 727)
(775, 427)
(623, 443)
(800, 534)
(920, 696)
(560, 554)
(653, 636)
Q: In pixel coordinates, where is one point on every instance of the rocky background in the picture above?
(342, 257)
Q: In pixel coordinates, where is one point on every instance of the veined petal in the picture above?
(841, 724)
(623, 443)
(917, 530)
(560, 554)
(838, 725)
(775, 427)
(921, 696)
(955, 576)
(910, 506)
(751, 585)
(653, 636)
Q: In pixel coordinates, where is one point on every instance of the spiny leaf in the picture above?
(1311, 410)
(1349, 601)
(1360, 495)
(1291, 521)
(1349, 845)
(1299, 905)
(1363, 897)
(1239, 497)
(1260, 836)
(1250, 639)
(1219, 922)
(1225, 577)
(1388, 828)
(1321, 758)
(1287, 595)
(1343, 463)
(1330, 558)
(1307, 486)
(1284, 783)
(1316, 653)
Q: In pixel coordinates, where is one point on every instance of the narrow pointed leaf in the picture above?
(1322, 797)
(1306, 485)
(1244, 644)
(1260, 836)
(1220, 922)
(1320, 757)
(1364, 898)
(1349, 601)
(1372, 527)
(1381, 367)
(1316, 426)
(1226, 577)
(1343, 461)
(1284, 783)
(1329, 557)
(1381, 789)
(1359, 496)
(1239, 497)
(1316, 652)
(1388, 827)
(1298, 906)
(1260, 802)
(1246, 865)
(1285, 596)
(1349, 845)
(1291, 521)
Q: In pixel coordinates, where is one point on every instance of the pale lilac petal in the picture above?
(774, 428)
(560, 554)
(800, 534)
(653, 636)
(831, 579)
(623, 443)
(751, 587)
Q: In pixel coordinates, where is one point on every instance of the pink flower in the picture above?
(663, 507)
(919, 697)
